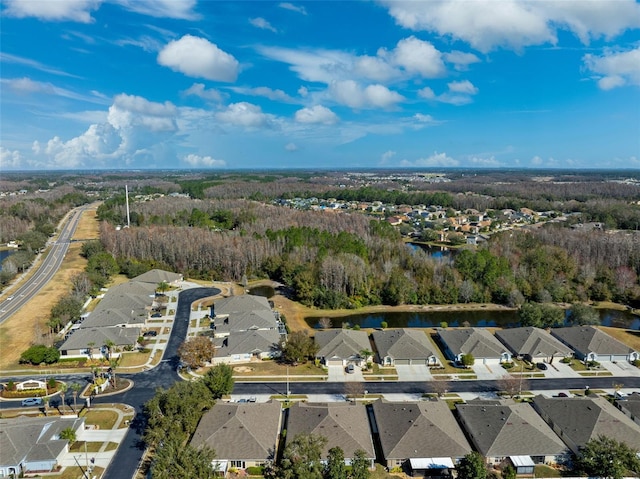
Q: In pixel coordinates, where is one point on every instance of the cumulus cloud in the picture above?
(615, 68)
(437, 159)
(316, 114)
(425, 119)
(261, 23)
(271, 94)
(486, 24)
(179, 9)
(53, 11)
(10, 159)
(489, 162)
(291, 147)
(199, 90)
(417, 56)
(387, 155)
(294, 8)
(459, 93)
(352, 94)
(201, 161)
(198, 57)
(460, 60)
(244, 114)
(464, 86)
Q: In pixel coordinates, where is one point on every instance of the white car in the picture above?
(32, 402)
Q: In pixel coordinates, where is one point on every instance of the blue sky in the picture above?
(319, 84)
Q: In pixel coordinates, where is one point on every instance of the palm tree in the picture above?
(69, 434)
(109, 345)
(114, 364)
(62, 388)
(162, 287)
(90, 346)
(75, 388)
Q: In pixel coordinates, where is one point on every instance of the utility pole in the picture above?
(126, 194)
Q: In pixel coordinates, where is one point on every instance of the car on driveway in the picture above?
(150, 334)
(32, 402)
(541, 366)
(156, 315)
(350, 369)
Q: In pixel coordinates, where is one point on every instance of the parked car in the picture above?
(148, 334)
(541, 366)
(156, 315)
(32, 402)
(350, 369)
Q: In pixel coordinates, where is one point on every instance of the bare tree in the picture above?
(325, 323)
(440, 386)
(353, 389)
(511, 385)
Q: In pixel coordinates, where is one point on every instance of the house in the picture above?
(244, 346)
(33, 444)
(505, 431)
(242, 435)
(479, 342)
(86, 342)
(339, 347)
(419, 437)
(630, 406)
(125, 305)
(157, 276)
(593, 344)
(345, 425)
(239, 304)
(404, 346)
(533, 344)
(246, 321)
(577, 420)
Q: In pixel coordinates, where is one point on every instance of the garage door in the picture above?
(334, 362)
(619, 357)
(403, 362)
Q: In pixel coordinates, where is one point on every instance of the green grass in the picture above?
(545, 471)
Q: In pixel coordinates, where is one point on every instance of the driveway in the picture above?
(488, 371)
(620, 368)
(413, 372)
(338, 374)
(560, 370)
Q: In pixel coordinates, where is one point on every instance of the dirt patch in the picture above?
(628, 336)
(88, 226)
(243, 369)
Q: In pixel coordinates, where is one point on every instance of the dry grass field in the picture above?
(29, 325)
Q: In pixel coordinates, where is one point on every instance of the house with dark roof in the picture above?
(534, 344)
(345, 425)
(242, 435)
(86, 342)
(593, 344)
(245, 321)
(156, 276)
(420, 437)
(239, 304)
(404, 346)
(245, 346)
(509, 432)
(339, 347)
(32, 444)
(577, 420)
(630, 405)
(479, 342)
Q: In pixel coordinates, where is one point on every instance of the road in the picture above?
(46, 269)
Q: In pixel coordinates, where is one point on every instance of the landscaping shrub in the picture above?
(255, 470)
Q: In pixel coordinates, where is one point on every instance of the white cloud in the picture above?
(27, 86)
(352, 94)
(425, 119)
(10, 159)
(487, 24)
(374, 68)
(418, 56)
(198, 89)
(617, 68)
(316, 114)
(427, 93)
(437, 159)
(464, 86)
(293, 8)
(244, 114)
(52, 10)
(489, 162)
(271, 94)
(261, 23)
(145, 42)
(291, 147)
(198, 57)
(200, 161)
(131, 111)
(461, 60)
(179, 9)
(387, 155)
(6, 57)
(303, 91)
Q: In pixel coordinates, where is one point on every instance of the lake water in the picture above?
(480, 318)
(264, 291)
(4, 254)
(436, 252)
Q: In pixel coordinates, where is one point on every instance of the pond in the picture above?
(4, 254)
(436, 252)
(265, 291)
(479, 318)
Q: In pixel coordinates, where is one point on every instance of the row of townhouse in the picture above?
(120, 317)
(420, 437)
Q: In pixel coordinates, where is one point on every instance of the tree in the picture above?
(607, 458)
(162, 287)
(113, 364)
(62, 389)
(68, 434)
(440, 386)
(39, 353)
(109, 345)
(325, 323)
(509, 472)
(196, 352)
(360, 465)
(174, 460)
(509, 384)
(299, 347)
(219, 380)
(335, 468)
(302, 458)
(90, 346)
(467, 360)
(353, 389)
(541, 315)
(472, 466)
(583, 314)
(75, 389)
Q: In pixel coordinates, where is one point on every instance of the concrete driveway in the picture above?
(413, 372)
(338, 374)
(620, 368)
(488, 371)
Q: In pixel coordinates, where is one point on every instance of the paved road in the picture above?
(46, 269)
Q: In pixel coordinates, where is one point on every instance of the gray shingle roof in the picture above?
(81, 338)
(403, 344)
(156, 276)
(476, 341)
(508, 429)
(584, 418)
(105, 318)
(248, 342)
(247, 321)
(419, 429)
(341, 343)
(240, 304)
(533, 341)
(343, 424)
(240, 431)
(586, 339)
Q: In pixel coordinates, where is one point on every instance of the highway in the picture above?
(46, 269)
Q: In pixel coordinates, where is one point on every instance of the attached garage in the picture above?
(403, 362)
(334, 362)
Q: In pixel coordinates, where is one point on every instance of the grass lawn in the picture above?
(545, 471)
(78, 446)
(102, 418)
(627, 336)
(380, 473)
(74, 473)
(128, 360)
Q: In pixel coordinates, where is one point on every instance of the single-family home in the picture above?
(30, 445)
(420, 436)
(157, 276)
(479, 342)
(630, 405)
(404, 346)
(245, 321)
(244, 346)
(505, 431)
(533, 344)
(345, 425)
(88, 342)
(242, 435)
(339, 347)
(239, 304)
(577, 420)
(593, 344)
